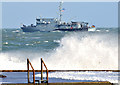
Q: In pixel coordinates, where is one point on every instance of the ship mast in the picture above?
(60, 11)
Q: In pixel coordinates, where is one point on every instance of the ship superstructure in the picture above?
(42, 24)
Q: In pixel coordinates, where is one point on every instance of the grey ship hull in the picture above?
(29, 29)
(75, 29)
(34, 29)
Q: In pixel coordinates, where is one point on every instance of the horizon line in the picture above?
(60, 0)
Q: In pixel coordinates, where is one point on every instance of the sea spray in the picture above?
(18, 60)
(85, 51)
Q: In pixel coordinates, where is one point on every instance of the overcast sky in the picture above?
(101, 14)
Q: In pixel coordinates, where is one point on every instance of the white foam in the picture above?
(16, 31)
(98, 30)
(28, 44)
(86, 52)
(45, 41)
(94, 76)
(57, 41)
(5, 43)
(36, 42)
(107, 30)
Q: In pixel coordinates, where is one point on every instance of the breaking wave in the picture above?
(83, 51)
(94, 76)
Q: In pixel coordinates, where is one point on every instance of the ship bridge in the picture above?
(46, 21)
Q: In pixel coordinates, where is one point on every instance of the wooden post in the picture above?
(28, 62)
(43, 63)
(47, 75)
(41, 71)
(28, 70)
(33, 76)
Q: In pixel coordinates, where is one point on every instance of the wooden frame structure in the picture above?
(29, 63)
(42, 63)
(28, 70)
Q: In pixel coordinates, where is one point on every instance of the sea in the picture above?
(96, 50)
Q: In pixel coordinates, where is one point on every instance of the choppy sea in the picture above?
(96, 50)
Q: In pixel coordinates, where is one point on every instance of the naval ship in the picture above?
(55, 24)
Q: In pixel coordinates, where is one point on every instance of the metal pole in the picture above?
(41, 71)
(28, 70)
(60, 9)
